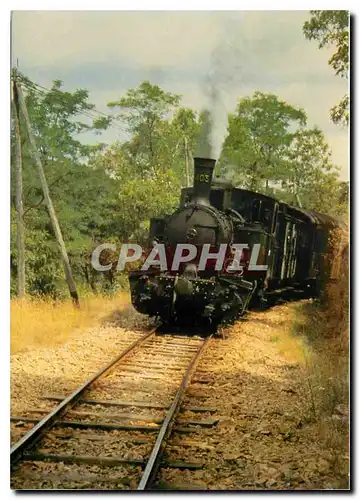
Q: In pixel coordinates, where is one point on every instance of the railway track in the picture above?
(88, 439)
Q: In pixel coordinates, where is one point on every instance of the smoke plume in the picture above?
(226, 65)
(204, 147)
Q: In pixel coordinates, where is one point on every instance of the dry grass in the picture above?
(326, 372)
(292, 347)
(37, 323)
(330, 339)
(314, 336)
(326, 384)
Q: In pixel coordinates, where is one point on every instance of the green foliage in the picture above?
(331, 28)
(259, 134)
(43, 269)
(340, 112)
(139, 199)
(83, 210)
(181, 132)
(55, 117)
(158, 128)
(143, 110)
(147, 103)
(269, 150)
(149, 168)
(108, 194)
(308, 157)
(136, 198)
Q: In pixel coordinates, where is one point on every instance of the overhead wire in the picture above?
(91, 113)
(43, 91)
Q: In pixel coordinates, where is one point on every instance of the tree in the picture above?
(269, 150)
(55, 115)
(179, 136)
(55, 120)
(307, 155)
(331, 28)
(134, 198)
(311, 175)
(140, 196)
(259, 133)
(151, 165)
(143, 110)
(99, 193)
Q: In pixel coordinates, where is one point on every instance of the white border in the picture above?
(5, 181)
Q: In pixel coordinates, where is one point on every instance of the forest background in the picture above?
(108, 192)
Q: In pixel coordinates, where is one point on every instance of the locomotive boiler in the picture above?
(277, 247)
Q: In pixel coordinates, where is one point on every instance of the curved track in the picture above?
(169, 360)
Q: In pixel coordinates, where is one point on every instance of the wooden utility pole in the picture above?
(20, 240)
(50, 207)
(298, 200)
(187, 162)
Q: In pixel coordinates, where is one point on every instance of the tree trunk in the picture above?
(50, 207)
(20, 240)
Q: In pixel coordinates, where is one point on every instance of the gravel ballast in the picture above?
(263, 438)
(61, 369)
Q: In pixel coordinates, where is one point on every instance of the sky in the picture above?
(108, 52)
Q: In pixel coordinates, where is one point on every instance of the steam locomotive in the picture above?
(291, 244)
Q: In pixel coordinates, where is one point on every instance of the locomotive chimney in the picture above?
(203, 172)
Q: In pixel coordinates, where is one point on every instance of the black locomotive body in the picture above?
(291, 242)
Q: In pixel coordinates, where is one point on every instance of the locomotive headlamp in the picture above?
(184, 286)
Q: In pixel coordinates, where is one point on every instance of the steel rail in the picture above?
(34, 434)
(153, 462)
